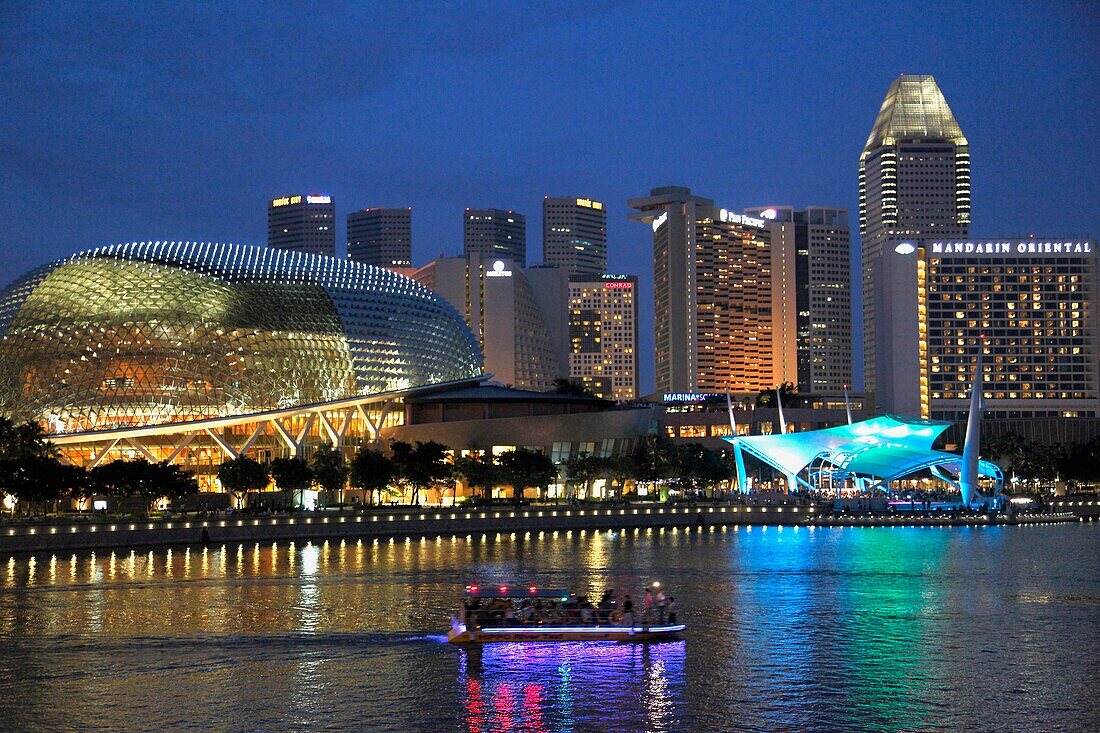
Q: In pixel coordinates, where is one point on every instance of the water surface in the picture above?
(789, 628)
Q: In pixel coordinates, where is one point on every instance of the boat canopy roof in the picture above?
(513, 590)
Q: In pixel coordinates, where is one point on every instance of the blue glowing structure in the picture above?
(878, 451)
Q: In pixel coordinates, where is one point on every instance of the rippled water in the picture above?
(789, 628)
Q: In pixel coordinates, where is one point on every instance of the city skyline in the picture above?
(106, 167)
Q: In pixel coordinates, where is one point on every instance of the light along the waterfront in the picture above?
(788, 627)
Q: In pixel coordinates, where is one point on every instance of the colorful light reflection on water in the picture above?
(534, 687)
(788, 628)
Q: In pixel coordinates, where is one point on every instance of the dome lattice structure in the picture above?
(164, 332)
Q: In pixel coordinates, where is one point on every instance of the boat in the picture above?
(527, 613)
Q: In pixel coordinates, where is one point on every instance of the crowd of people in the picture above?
(656, 608)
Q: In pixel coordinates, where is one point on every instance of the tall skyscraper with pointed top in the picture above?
(914, 184)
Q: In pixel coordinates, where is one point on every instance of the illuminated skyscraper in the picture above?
(305, 223)
(914, 183)
(603, 335)
(574, 235)
(712, 295)
(812, 295)
(381, 237)
(494, 233)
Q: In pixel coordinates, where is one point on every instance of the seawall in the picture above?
(88, 535)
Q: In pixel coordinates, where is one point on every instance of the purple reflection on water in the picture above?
(555, 686)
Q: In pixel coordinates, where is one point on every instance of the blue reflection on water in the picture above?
(565, 686)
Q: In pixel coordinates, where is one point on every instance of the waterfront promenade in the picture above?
(98, 532)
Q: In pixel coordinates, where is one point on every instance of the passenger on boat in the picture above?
(671, 610)
(628, 611)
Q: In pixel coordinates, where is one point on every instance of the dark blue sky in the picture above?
(179, 121)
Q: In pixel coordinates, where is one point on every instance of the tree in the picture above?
(582, 470)
(480, 471)
(28, 462)
(420, 467)
(173, 483)
(241, 475)
(654, 459)
(571, 387)
(702, 468)
(619, 470)
(330, 470)
(788, 391)
(371, 471)
(292, 475)
(527, 469)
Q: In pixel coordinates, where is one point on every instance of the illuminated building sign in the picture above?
(498, 270)
(618, 285)
(609, 276)
(318, 199)
(286, 201)
(769, 213)
(905, 248)
(732, 218)
(1000, 247)
(659, 221)
(687, 396)
(590, 204)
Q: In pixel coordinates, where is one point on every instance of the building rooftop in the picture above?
(914, 108)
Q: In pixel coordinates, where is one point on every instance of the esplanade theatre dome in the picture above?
(163, 332)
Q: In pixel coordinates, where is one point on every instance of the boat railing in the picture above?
(570, 617)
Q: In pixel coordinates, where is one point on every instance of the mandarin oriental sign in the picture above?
(1008, 247)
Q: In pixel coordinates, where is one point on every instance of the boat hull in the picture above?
(459, 634)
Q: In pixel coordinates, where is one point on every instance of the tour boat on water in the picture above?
(503, 613)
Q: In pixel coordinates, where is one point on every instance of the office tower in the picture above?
(381, 237)
(603, 335)
(712, 295)
(914, 184)
(302, 223)
(493, 233)
(1034, 301)
(518, 316)
(574, 235)
(812, 295)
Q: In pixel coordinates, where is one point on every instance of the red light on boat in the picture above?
(503, 589)
(472, 588)
(533, 589)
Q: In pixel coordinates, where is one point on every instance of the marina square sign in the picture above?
(1011, 247)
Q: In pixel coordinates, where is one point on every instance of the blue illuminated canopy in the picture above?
(881, 449)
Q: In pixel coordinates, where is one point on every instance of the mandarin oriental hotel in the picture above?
(1034, 301)
(196, 353)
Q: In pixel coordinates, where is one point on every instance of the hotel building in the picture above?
(914, 184)
(1033, 300)
(517, 316)
(603, 335)
(495, 234)
(381, 237)
(712, 295)
(574, 235)
(303, 223)
(812, 294)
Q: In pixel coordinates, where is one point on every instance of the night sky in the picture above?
(179, 121)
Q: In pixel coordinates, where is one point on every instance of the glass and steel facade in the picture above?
(159, 333)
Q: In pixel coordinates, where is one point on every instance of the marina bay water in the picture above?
(789, 628)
